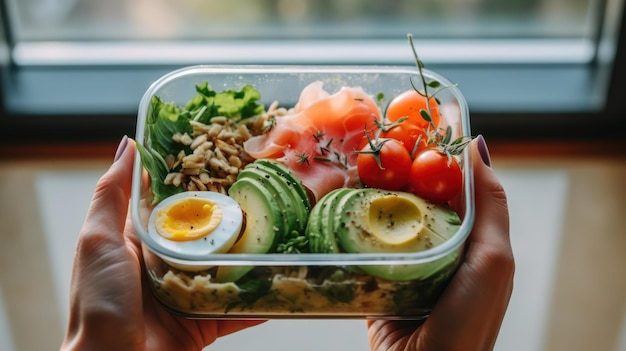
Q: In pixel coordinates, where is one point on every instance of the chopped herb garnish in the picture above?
(302, 158)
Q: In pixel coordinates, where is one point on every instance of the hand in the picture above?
(111, 307)
(469, 314)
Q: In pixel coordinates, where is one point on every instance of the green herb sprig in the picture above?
(444, 142)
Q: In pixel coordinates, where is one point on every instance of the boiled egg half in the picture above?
(196, 224)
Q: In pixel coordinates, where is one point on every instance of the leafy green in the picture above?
(157, 169)
(165, 119)
(238, 105)
(294, 243)
(415, 295)
(251, 291)
(338, 292)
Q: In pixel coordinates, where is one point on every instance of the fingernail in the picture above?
(483, 150)
(120, 148)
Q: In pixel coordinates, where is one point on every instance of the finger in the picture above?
(490, 199)
(471, 309)
(101, 254)
(106, 217)
(101, 242)
(489, 241)
(489, 253)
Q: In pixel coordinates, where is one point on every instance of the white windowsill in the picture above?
(451, 51)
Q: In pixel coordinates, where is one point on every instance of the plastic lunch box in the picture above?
(305, 285)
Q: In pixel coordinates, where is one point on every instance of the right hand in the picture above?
(469, 314)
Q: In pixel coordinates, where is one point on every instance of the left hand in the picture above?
(111, 306)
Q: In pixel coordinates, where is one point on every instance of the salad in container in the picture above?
(302, 191)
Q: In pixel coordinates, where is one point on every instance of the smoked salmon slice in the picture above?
(318, 141)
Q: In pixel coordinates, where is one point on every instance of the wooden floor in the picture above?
(587, 309)
(570, 291)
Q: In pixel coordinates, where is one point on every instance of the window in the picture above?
(90, 57)
(68, 20)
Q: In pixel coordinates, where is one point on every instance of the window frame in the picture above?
(570, 116)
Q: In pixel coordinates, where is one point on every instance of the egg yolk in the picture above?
(188, 219)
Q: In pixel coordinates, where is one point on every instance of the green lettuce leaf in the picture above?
(164, 120)
(154, 163)
(235, 104)
(167, 118)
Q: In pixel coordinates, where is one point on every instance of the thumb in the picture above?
(102, 262)
(490, 198)
(472, 308)
(109, 205)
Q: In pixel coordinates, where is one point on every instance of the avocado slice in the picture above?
(313, 230)
(290, 215)
(264, 218)
(378, 221)
(289, 191)
(372, 220)
(322, 240)
(275, 211)
(291, 179)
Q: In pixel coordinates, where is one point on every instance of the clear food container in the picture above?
(305, 275)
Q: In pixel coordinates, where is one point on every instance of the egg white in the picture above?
(220, 240)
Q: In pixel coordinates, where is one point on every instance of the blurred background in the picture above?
(544, 79)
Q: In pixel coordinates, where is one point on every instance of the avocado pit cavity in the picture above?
(393, 220)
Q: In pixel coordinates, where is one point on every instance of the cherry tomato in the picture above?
(408, 135)
(405, 133)
(409, 104)
(395, 165)
(435, 176)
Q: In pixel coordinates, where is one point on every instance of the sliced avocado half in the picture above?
(274, 211)
(378, 221)
(263, 222)
(287, 191)
(282, 198)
